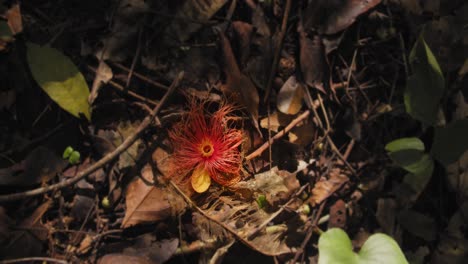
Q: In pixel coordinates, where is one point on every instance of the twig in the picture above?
(278, 212)
(310, 231)
(135, 58)
(140, 76)
(109, 157)
(277, 55)
(43, 259)
(283, 132)
(122, 89)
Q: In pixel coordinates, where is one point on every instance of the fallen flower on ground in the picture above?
(207, 147)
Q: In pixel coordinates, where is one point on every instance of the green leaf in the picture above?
(59, 78)
(382, 249)
(336, 247)
(450, 142)
(420, 173)
(408, 153)
(418, 224)
(74, 158)
(426, 86)
(404, 144)
(68, 151)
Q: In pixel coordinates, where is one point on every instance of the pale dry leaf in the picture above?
(147, 203)
(277, 120)
(103, 75)
(303, 133)
(161, 158)
(289, 100)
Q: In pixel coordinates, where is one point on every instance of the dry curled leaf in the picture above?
(324, 188)
(148, 203)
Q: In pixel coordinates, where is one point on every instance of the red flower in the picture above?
(206, 145)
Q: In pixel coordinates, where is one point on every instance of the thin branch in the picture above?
(30, 259)
(126, 91)
(106, 159)
(279, 47)
(280, 134)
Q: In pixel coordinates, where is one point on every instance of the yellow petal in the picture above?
(201, 180)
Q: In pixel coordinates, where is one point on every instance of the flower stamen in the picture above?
(206, 148)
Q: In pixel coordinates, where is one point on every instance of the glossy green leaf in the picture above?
(409, 154)
(406, 152)
(450, 142)
(425, 86)
(336, 247)
(405, 144)
(59, 78)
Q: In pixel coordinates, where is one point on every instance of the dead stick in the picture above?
(109, 157)
(277, 55)
(283, 132)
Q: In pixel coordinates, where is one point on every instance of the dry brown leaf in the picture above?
(27, 238)
(244, 35)
(289, 100)
(238, 86)
(313, 62)
(338, 215)
(238, 214)
(148, 203)
(344, 14)
(13, 15)
(161, 158)
(33, 223)
(192, 10)
(324, 188)
(40, 165)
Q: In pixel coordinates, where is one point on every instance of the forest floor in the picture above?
(243, 131)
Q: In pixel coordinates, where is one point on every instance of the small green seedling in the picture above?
(261, 201)
(72, 155)
(68, 151)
